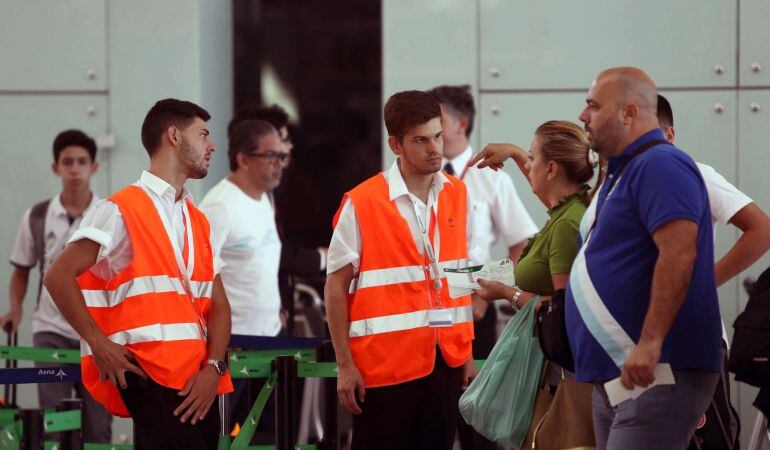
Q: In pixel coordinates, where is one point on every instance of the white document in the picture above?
(465, 279)
(455, 292)
(617, 393)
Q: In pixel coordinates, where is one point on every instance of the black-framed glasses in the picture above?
(272, 156)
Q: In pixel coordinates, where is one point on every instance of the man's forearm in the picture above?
(64, 290)
(520, 157)
(218, 322)
(339, 322)
(751, 246)
(670, 281)
(18, 288)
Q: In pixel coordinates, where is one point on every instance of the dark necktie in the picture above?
(448, 169)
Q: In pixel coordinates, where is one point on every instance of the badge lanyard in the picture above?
(434, 271)
(185, 270)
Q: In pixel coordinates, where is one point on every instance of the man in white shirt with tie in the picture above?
(498, 215)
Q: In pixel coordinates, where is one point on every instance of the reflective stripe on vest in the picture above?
(397, 275)
(149, 333)
(138, 286)
(201, 289)
(402, 322)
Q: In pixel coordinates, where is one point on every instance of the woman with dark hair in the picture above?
(558, 167)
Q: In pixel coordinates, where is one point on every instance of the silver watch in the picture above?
(515, 298)
(218, 365)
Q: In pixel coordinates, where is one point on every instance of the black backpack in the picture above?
(750, 352)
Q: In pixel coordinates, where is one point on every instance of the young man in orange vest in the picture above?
(140, 284)
(403, 345)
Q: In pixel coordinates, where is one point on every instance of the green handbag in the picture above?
(500, 401)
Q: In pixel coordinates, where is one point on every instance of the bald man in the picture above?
(642, 297)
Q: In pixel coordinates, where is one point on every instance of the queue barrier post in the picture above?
(330, 439)
(10, 389)
(72, 439)
(33, 434)
(285, 402)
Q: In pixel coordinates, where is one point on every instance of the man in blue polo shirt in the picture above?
(642, 290)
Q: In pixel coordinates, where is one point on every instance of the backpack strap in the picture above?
(37, 228)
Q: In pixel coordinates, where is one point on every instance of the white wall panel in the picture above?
(154, 54)
(556, 44)
(754, 39)
(53, 45)
(426, 44)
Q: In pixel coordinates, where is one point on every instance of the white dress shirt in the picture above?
(345, 245)
(498, 212)
(105, 226)
(57, 230)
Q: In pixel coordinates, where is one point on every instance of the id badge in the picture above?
(440, 318)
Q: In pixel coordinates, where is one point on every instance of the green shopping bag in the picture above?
(500, 401)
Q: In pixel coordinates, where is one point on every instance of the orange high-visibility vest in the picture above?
(146, 307)
(390, 339)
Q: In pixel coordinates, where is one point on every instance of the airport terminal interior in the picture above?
(331, 67)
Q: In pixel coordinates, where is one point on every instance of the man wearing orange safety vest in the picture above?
(403, 344)
(140, 284)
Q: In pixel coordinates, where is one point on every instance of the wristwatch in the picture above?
(218, 365)
(515, 298)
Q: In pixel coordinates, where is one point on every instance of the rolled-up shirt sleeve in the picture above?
(105, 226)
(99, 225)
(345, 245)
(725, 199)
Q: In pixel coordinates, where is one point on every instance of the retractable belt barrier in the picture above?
(281, 360)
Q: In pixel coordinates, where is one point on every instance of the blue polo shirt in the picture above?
(658, 186)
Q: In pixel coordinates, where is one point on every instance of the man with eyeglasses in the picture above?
(244, 230)
(297, 259)
(244, 233)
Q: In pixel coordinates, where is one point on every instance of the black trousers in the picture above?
(155, 427)
(416, 415)
(485, 331)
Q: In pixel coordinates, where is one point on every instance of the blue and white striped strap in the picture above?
(600, 322)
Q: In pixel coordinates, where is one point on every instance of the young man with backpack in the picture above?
(43, 233)
(140, 283)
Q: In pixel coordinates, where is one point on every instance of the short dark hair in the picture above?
(165, 113)
(244, 138)
(406, 109)
(665, 113)
(274, 115)
(69, 138)
(458, 100)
